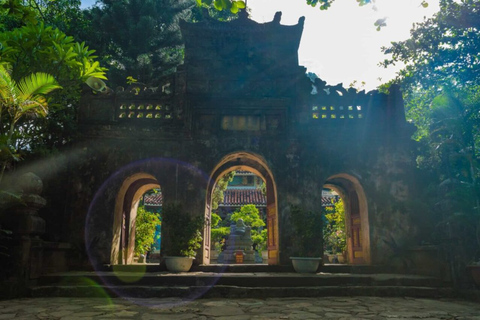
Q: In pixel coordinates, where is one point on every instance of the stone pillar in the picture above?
(26, 225)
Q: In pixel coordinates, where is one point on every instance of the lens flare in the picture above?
(134, 281)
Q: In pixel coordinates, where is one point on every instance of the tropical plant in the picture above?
(183, 231)
(307, 232)
(17, 101)
(40, 48)
(145, 226)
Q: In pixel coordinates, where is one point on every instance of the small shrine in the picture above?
(239, 242)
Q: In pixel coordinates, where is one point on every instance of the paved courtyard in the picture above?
(238, 309)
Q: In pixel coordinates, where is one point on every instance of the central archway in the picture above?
(254, 163)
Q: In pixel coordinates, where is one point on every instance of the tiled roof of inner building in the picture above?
(153, 199)
(329, 201)
(239, 197)
(234, 197)
(243, 173)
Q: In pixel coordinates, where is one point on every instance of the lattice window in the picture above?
(144, 111)
(341, 112)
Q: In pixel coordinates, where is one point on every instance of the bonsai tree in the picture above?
(183, 229)
(250, 215)
(308, 233)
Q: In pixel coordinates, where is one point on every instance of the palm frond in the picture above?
(38, 106)
(7, 86)
(36, 84)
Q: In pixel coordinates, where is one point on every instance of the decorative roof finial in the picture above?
(277, 17)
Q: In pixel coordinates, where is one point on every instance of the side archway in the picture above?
(356, 216)
(254, 163)
(125, 213)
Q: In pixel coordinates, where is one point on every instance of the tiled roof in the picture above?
(244, 173)
(240, 197)
(329, 201)
(153, 199)
(233, 198)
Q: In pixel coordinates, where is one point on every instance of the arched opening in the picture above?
(356, 216)
(249, 162)
(125, 215)
(334, 230)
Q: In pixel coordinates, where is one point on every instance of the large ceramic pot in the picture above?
(305, 265)
(178, 264)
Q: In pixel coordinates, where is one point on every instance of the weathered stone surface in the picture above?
(222, 311)
(237, 309)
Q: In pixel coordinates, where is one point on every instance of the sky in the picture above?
(341, 44)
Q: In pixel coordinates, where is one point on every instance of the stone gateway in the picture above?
(240, 101)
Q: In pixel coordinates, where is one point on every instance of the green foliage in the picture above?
(250, 215)
(259, 238)
(63, 14)
(137, 38)
(307, 228)
(218, 234)
(215, 220)
(220, 188)
(19, 100)
(13, 14)
(145, 225)
(442, 50)
(235, 5)
(183, 230)
(334, 235)
(38, 48)
(442, 94)
(232, 5)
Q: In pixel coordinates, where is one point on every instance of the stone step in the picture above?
(222, 291)
(244, 268)
(258, 279)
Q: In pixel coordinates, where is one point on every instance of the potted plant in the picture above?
(184, 234)
(307, 239)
